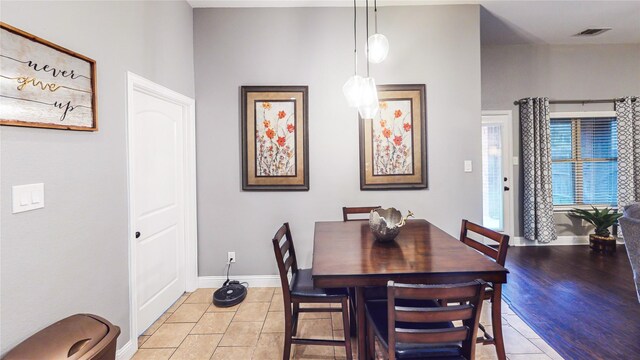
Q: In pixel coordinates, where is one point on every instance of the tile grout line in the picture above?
(165, 322)
(194, 324)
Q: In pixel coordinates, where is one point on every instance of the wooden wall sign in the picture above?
(45, 85)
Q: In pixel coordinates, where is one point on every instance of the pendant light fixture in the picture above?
(378, 43)
(352, 89)
(368, 107)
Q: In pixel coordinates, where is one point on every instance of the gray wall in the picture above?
(435, 45)
(559, 72)
(72, 256)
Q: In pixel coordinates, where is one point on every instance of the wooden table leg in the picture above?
(360, 317)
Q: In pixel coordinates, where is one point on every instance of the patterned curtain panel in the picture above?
(536, 162)
(628, 113)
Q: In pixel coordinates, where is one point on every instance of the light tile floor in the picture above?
(193, 328)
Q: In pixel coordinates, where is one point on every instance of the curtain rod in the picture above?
(600, 101)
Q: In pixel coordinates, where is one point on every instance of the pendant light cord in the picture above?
(355, 40)
(375, 12)
(367, 42)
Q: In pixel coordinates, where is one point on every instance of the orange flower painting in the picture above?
(275, 144)
(392, 134)
(270, 133)
(393, 144)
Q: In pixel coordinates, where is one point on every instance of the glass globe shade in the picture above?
(352, 90)
(368, 107)
(378, 48)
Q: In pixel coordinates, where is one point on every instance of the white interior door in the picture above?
(497, 172)
(157, 176)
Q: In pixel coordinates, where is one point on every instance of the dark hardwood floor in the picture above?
(582, 304)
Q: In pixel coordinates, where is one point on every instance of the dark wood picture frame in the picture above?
(47, 82)
(274, 121)
(413, 96)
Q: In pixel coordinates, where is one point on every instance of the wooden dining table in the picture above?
(345, 254)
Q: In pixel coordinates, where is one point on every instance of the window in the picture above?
(584, 155)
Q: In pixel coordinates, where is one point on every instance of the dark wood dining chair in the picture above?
(346, 211)
(300, 290)
(411, 324)
(378, 292)
(493, 292)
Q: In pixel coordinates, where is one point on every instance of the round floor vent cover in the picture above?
(229, 295)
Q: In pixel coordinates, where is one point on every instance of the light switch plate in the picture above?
(468, 166)
(516, 161)
(27, 197)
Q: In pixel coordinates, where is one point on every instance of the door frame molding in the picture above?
(508, 128)
(138, 83)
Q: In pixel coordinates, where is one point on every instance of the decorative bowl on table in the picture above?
(385, 224)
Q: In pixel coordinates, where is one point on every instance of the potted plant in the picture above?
(601, 240)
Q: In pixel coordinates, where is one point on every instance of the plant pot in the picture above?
(602, 245)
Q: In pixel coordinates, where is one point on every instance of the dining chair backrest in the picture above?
(499, 254)
(285, 257)
(469, 295)
(346, 211)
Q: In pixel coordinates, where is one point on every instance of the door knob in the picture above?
(506, 188)
(137, 234)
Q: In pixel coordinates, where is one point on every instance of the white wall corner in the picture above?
(127, 351)
(562, 240)
(253, 281)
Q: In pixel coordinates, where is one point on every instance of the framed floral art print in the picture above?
(393, 145)
(275, 150)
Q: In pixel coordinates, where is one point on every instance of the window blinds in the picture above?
(584, 154)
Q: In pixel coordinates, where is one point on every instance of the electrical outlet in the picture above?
(231, 256)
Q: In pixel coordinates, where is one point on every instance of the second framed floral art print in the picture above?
(275, 145)
(393, 145)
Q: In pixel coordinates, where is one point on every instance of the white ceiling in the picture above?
(315, 3)
(555, 22)
(510, 22)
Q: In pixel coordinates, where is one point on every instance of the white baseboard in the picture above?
(127, 351)
(562, 240)
(253, 280)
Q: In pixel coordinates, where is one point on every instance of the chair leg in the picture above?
(496, 321)
(353, 326)
(296, 313)
(346, 328)
(286, 354)
(371, 341)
